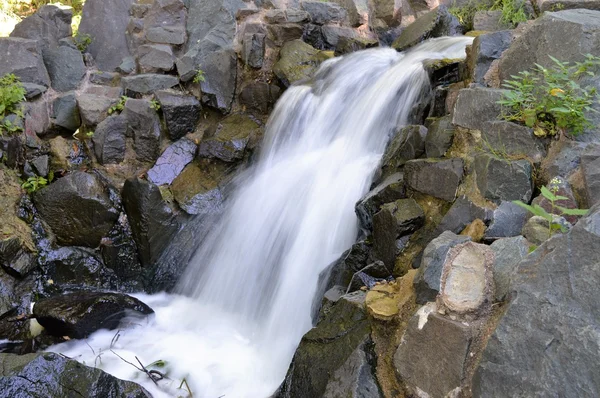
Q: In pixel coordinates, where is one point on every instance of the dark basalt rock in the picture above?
(230, 140)
(77, 208)
(500, 179)
(25, 61)
(389, 190)
(53, 375)
(408, 143)
(143, 124)
(181, 112)
(435, 177)
(48, 24)
(65, 66)
(436, 23)
(172, 162)
(65, 113)
(147, 83)
(109, 140)
(79, 314)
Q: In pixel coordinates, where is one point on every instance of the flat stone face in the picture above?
(408, 143)
(499, 179)
(65, 67)
(297, 61)
(148, 83)
(487, 48)
(436, 23)
(172, 162)
(508, 220)
(438, 178)
(23, 57)
(466, 284)
(485, 100)
(323, 12)
(508, 253)
(109, 139)
(390, 190)
(513, 140)
(155, 58)
(196, 191)
(181, 112)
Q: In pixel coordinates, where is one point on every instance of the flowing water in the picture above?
(245, 300)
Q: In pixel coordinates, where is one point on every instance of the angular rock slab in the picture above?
(485, 100)
(65, 66)
(462, 213)
(181, 112)
(513, 140)
(408, 143)
(144, 124)
(23, 57)
(389, 190)
(198, 191)
(508, 220)
(79, 314)
(109, 139)
(147, 83)
(230, 140)
(298, 61)
(499, 179)
(467, 284)
(48, 24)
(487, 48)
(440, 133)
(438, 178)
(438, 22)
(172, 162)
(547, 341)
(508, 253)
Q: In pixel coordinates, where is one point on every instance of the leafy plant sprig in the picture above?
(119, 106)
(34, 183)
(199, 76)
(82, 41)
(12, 95)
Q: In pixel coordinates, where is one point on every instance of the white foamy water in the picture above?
(245, 300)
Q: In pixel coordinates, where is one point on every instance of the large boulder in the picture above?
(52, 375)
(435, 177)
(546, 344)
(144, 125)
(462, 213)
(172, 162)
(106, 23)
(65, 113)
(48, 24)
(109, 140)
(181, 112)
(65, 66)
(23, 57)
(298, 61)
(485, 100)
(500, 179)
(408, 143)
(228, 143)
(436, 23)
(486, 49)
(512, 140)
(77, 208)
(77, 315)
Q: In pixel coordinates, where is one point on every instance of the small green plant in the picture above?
(550, 100)
(32, 184)
(119, 106)
(551, 195)
(199, 77)
(512, 11)
(12, 94)
(154, 104)
(557, 7)
(82, 41)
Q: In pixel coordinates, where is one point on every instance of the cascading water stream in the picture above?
(245, 300)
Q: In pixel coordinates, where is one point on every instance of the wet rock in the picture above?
(8, 298)
(323, 12)
(153, 58)
(181, 112)
(393, 221)
(466, 286)
(65, 66)
(77, 208)
(65, 113)
(48, 24)
(512, 140)
(485, 100)
(94, 108)
(408, 143)
(109, 140)
(436, 23)
(500, 179)
(508, 253)
(52, 375)
(144, 124)
(369, 276)
(198, 191)
(438, 178)
(25, 61)
(428, 278)
(119, 253)
(147, 83)
(327, 347)
(152, 221)
(172, 162)
(79, 314)
(230, 140)
(298, 61)
(487, 48)
(389, 190)
(254, 49)
(15, 256)
(431, 338)
(540, 347)
(259, 96)
(66, 154)
(440, 133)
(350, 44)
(508, 220)
(350, 262)
(106, 22)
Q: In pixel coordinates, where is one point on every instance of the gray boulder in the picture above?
(259, 96)
(508, 253)
(508, 220)
(199, 191)
(181, 112)
(440, 133)
(25, 60)
(65, 113)
(322, 12)
(94, 108)
(172, 162)
(540, 349)
(253, 51)
(536, 230)
(65, 66)
(229, 141)
(48, 24)
(512, 140)
(77, 208)
(394, 221)
(165, 22)
(109, 140)
(298, 61)
(499, 179)
(590, 166)
(438, 178)
(487, 48)
(485, 100)
(407, 143)
(462, 213)
(106, 23)
(147, 83)
(143, 124)
(153, 58)
(436, 23)
(389, 190)
(105, 78)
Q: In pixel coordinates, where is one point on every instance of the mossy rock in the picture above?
(298, 61)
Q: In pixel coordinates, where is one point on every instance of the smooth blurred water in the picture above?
(245, 300)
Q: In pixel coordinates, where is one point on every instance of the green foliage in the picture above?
(154, 104)
(119, 106)
(82, 41)
(199, 77)
(12, 94)
(32, 184)
(512, 11)
(552, 197)
(550, 99)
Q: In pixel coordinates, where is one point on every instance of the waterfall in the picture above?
(245, 299)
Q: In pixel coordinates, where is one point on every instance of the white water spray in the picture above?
(245, 299)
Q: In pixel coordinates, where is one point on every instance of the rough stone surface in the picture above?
(172, 162)
(254, 49)
(393, 221)
(512, 140)
(546, 341)
(298, 61)
(482, 99)
(428, 278)
(106, 22)
(500, 179)
(389, 190)
(144, 124)
(147, 83)
(78, 315)
(488, 21)
(181, 112)
(536, 230)
(560, 187)
(109, 139)
(322, 12)
(52, 375)
(94, 108)
(408, 143)
(487, 48)
(48, 24)
(77, 208)
(23, 57)
(508, 253)
(436, 23)
(433, 340)
(230, 139)
(65, 67)
(552, 5)
(590, 166)
(65, 113)
(259, 96)
(198, 191)
(508, 220)
(439, 137)
(155, 58)
(438, 178)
